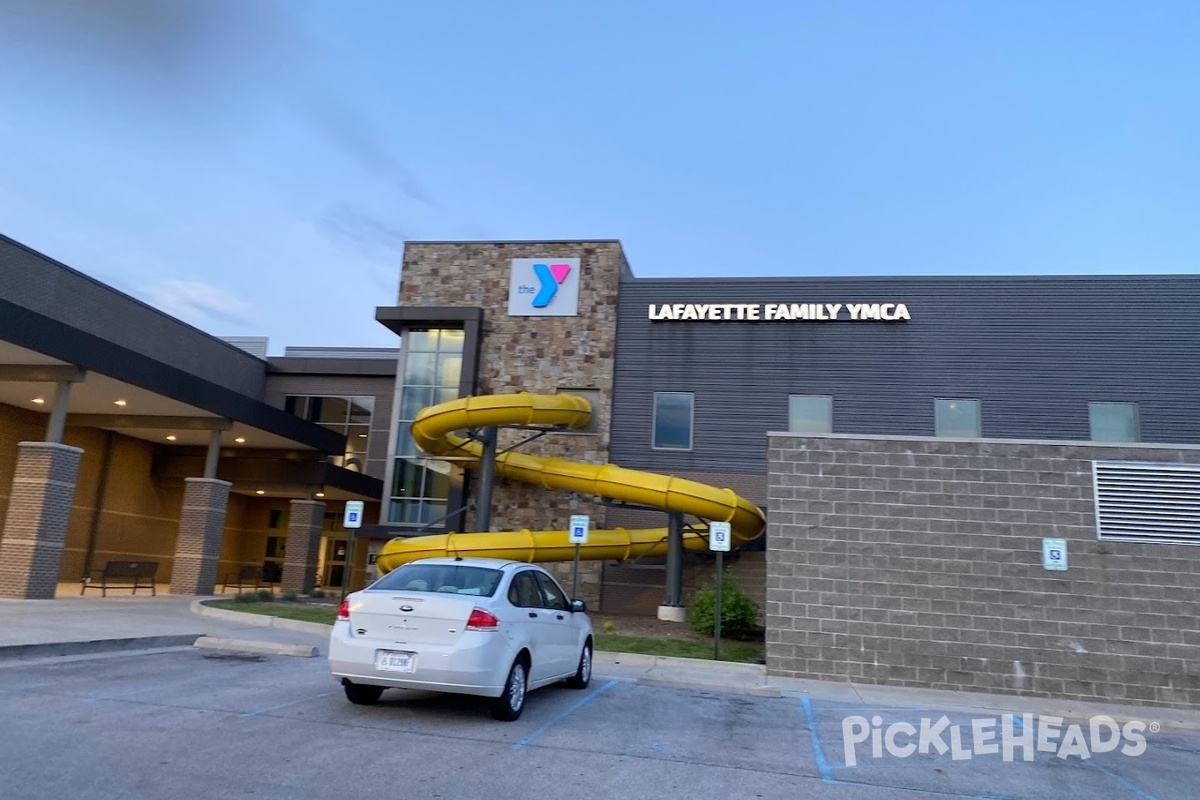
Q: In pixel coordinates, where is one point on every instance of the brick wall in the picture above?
(305, 522)
(533, 354)
(201, 530)
(35, 526)
(918, 562)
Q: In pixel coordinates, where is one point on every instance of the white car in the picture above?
(477, 626)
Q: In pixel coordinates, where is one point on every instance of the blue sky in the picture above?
(255, 166)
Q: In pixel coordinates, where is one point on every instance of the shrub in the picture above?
(264, 595)
(739, 614)
(290, 596)
(246, 597)
(317, 593)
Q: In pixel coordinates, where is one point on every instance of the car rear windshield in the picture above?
(479, 581)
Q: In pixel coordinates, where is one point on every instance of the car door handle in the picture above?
(560, 616)
(533, 613)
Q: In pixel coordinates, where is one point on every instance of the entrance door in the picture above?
(335, 563)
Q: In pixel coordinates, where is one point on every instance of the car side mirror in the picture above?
(578, 605)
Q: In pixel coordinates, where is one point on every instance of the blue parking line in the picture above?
(284, 705)
(818, 752)
(547, 726)
(1114, 777)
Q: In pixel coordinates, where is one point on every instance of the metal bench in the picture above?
(122, 575)
(247, 577)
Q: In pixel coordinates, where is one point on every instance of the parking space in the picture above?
(202, 724)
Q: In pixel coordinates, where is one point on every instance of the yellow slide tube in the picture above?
(435, 432)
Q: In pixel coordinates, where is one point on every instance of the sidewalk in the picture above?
(40, 629)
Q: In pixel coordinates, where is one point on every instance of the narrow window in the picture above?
(672, 420)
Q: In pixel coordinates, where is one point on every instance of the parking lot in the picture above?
(198, 724)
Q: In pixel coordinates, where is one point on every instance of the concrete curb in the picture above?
(57, 649)
(247, 646)
(260, 620)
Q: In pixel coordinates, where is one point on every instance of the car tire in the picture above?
(509, 705)
(583, 675)
(361, 694)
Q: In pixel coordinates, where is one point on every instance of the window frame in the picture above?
(977, 404)
(1137, 421)
(691, 423)
(827, 397)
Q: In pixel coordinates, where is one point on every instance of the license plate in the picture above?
(392, 661)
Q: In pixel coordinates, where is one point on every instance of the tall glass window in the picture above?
(1114, 422)
(431, 367)
(349, 416)
(958, 419)
(810, 413)
(672, 420)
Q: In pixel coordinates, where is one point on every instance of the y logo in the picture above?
(550, 276)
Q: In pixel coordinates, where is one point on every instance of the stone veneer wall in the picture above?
(918, 562)
(533, 354)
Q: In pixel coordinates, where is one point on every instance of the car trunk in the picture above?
(410, 617)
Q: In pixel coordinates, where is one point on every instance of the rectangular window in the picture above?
(349, 416)
(593, 398)
(957, 419)
(810, 413)
(1114, 422)
(430, 371)
(672, 420)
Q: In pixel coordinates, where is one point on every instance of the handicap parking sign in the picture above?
(579, 528)
(718, 537)
(1054, 554)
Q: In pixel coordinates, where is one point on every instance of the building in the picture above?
(915, 441)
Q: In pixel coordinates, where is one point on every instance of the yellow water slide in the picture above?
(435, 431)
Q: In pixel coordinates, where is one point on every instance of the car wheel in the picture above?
(509, 705)
(361, 694)
(583, 675)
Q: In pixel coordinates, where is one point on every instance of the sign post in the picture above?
(718, 542)
(351, 521)
(580, 523)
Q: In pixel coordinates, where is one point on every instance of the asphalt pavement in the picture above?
(89, 627)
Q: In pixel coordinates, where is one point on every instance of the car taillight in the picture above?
(344, 610)
(481, 620)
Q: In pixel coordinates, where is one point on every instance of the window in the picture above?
(477, 581)
(672, 421)
(430, 371)
(593, 398)
(1114, 422)
(554, 597)
(349, 416)
(957, 419)
(810, 413)
(524, 592)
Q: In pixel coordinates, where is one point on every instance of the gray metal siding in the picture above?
(1033, 350)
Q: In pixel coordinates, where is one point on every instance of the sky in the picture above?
(254, 167)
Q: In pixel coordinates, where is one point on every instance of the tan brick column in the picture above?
(35, 529)
(201, 529)
(305, 521)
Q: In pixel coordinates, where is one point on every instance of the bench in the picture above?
(249, 577)
(122, 575)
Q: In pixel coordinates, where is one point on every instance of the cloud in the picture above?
(199, 303)
(354, 136)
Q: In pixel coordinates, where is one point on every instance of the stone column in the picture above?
(201, 529)
(39, 509)
(305, 522)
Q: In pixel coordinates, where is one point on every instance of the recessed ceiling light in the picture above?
(240, 440)
(171, 438)
(320, 494)
(260, 491)
(120, 403)
(39, 400)
(362, 436)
